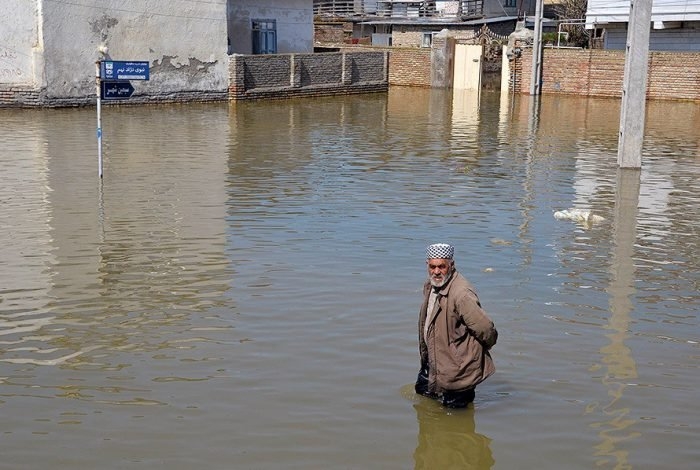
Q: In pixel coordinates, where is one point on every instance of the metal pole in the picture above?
(98, 83)
(634, 86)
(537, 51)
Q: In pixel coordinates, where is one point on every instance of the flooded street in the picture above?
(241, 289)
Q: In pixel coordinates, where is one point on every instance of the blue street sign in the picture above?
(121, 70)
(116, 90)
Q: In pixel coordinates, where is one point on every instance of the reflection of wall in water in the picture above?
(25, 279)
(464, 139)
(145, 245)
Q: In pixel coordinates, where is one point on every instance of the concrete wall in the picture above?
(184, 42)
(21, 53)
(279, 76)
(20, 42)
(49, 49)
(295, 25)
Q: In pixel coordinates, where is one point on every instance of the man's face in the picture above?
(439, 270)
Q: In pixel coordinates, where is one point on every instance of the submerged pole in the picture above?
(536, 79)
(634, 86)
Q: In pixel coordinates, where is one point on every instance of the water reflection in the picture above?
(465, 128)
(25, 219)
(121, 269)
(247, 274)
(617, 358)
(448, 440)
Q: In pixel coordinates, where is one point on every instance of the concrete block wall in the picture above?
(368, 68)
(294, 75)
(263, 71)
(319, 69)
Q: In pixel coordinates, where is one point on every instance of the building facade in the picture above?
(675, 24)
(270, 26)
(414, 23)
(49, 49)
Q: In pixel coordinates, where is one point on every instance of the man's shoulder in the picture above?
(461, 284)
(459, 279)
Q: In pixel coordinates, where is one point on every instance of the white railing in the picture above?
(397, 8)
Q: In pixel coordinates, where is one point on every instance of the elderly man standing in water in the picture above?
(455, 334)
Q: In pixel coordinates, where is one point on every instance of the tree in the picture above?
(568, 10)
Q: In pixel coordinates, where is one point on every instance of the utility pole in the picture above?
(536, 78)
(634, 86)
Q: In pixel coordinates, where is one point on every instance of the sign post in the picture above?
(99, 119)
(112, 83)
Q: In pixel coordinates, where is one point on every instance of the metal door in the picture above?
(467, 67)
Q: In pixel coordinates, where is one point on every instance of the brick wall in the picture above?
(17, 96)
(594, 72)
(673, 75)
(410, 66)
(292, 75)
(407, 39)
(331, 32)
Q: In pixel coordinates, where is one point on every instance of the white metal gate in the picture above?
(467, 67)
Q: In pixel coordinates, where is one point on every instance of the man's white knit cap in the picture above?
(439, 250)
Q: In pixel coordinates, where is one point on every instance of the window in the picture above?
(264, 36)
(427, 40)
(509, 3)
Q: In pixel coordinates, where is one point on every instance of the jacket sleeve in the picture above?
(476, 319)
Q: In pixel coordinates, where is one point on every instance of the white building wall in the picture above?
(675, 24)
(601, 12)
(685, 40)
(184, 41)
(20, 43)
(53, 46)
(295, 25)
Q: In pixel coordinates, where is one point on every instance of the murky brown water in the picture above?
(241, 289)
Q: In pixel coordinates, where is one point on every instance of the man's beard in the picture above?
(437, 281)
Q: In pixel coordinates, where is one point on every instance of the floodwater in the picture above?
(241, 289)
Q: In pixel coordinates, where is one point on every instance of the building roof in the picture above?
(529, 21)
(437, 21)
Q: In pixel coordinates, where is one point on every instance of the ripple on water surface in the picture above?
(251, 273)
